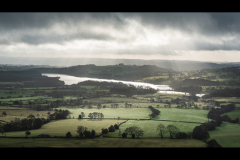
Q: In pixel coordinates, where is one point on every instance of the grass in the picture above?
(227, 135)
(13, 108)
(61, 127)
(135, 113)
(149, 127)
(24, 113)
(233, 114)
(227, 99)
(100, 143)
(176, 114)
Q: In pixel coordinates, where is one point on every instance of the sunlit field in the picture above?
(22, 113)
(61, 127)
(132, 113)
(189, 115)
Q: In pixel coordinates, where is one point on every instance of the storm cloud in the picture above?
(96, 34)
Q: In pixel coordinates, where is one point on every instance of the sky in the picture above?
(165, 36)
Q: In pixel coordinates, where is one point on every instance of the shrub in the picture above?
(124, 135)
(116, 126)
(197, 132)
(189, 135)
(68, 135)
(237, 120)
(87, 134)
(111, 129)
(213, 144)
(105, 131)
(133, 135)
(93, 134)
(181, 135)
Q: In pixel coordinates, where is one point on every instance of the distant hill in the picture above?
(171, 64)
(119, 72)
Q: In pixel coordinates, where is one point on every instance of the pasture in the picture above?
(176, 114)
(132, 113)
(227, 135)
(61, 127)
(149, 127)
(22, 113)
(100, 143)
(233, 114)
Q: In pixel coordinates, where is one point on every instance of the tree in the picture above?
(104, 131)
(124, 135)
(95, 114)
(181, 135)
(99, 106)
(93, 133)
(31, 119)
(197, 132)
(102, 116)
(111, 129)
(205, 136)
(116, 126)
(68, 135)
(134, 130)
(161, 129)
(90, 115)
(172, 130)
(4, 113)
(82, 114)
(80, 130)
(27, 133)
(139, 132)
(213, 144)
(119, 133)
(87, 134)
(133, 135)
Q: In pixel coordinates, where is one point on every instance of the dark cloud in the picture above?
(24, 27)
(44, 20)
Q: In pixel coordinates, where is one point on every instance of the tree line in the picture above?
(155, 112)
(31, 122)
(226, 92)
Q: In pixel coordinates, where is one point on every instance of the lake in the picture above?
(69, 80)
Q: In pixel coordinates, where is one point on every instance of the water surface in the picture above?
(69, 80)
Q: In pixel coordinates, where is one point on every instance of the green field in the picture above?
(135, 113)
(13, 108)
(227, 99)
(61, 127)
(100, 143)
(176, 114)
(227, 135)
(233, 114)
(22, 113)
(149, 127)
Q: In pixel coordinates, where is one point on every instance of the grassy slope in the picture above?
(149, 127)
(233, 114)
(227, 135)
(24, 113)
(135, 113)
(176, 114)
(61, 127)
